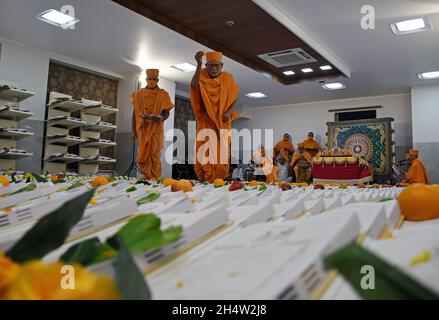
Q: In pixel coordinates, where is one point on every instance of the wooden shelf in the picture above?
(66, 123)
(100, 128)
(14, 135)
(15, 155)
(15, 94)
(15, 114)
(68, 106)
(98, 144)
(63, 159)
(65, 141)
(100, 110)
(98, 161)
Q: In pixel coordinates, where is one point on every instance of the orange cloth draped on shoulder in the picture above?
(150, 133)
(273, 176)
(417, 173)
(286, 145)
(299, 154)
(213, 98)
(311, 146)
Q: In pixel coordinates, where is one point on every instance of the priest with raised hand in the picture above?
(417, 172)
(213, 95)
(152, 106)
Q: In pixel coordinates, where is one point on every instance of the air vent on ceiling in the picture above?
(285, 58)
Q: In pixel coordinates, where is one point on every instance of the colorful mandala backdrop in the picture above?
(371, 141)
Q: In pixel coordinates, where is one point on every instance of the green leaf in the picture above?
(154, 239)
(58, 181)
(38, 178)
(390, 282)
(129, 280)
(82, 252)
(138, 227)
(132, 189)
(111, 179)
(29, 187)
(75, 185)
(143, 233)
(114, 185)
(149, 198)
(51, 231)
(262, 188)
(104, 252)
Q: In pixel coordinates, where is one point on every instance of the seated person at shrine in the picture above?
(238, 173)
(283, 163)
(302, 164)
(249, 172)
(311, 146)
(265, 170)
(286, 145)
(417, 172)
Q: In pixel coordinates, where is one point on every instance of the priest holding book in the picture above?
(152, 106)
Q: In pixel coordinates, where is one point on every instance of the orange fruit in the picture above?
(187, 185)
(218, 183)
(167, 182)
(253, 183)
(53, 177)
(4, 181)
(182, 185)
(99, 181)
(419, 202)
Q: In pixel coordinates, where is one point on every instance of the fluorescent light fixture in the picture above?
(429, 75)
(333, 86)
(325, 68)
(57, 18)
(411, 26)
(185, 67)
(256, 95)
(307, 70)
(289, 73)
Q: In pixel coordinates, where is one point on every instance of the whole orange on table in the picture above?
(168, 182)
(99, 181)
(419, 202)
(218, 183)
(181, 185)
(4, 181)
(253, 183)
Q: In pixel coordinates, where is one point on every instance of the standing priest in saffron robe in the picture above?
(213, 95)
(417, 172)
(151, 109)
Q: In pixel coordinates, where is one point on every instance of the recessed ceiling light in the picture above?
(411, 26)
(333, 86)
(57, 18)
(429, 75)
(289, 73)
(325, 68)
(256, 95)
(307, 70)
(185, 67)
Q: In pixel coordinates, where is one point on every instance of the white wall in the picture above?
(299, 119)
(425, 114)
